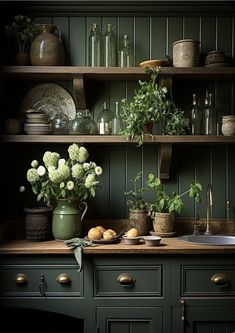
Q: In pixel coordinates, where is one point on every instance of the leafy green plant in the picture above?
(150, 104)
(21, 31)
(136, 200)
(165, 203)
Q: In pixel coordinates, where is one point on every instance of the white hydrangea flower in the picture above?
(41, 170)
(64, 171)
(32, 176)
(93, 165)
(83, 155)
(50, 159)
(90, 180)
(77, 171)
(73, 151)
(164, 89)
(86, 166)
(61, 161)
(34, 164)
(62, 185)
(70, 185)
(54, 176)
(98, 170)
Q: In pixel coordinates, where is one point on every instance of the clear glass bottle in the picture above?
(116, 120)
(209, 116)
(195, 117)
(95, 47)
(125, 57)
(109, 47)
(79, 125)
(93, 129)
(105, 120)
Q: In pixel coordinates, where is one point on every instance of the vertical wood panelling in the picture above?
(231, 181)
(208, 34)
(142, 39)
(157, 37)
(191, 27)
(63, 24)
(77, 40)
(175, 31)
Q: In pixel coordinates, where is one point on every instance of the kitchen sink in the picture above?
(209, 240)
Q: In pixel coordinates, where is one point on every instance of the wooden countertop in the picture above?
(168, 246)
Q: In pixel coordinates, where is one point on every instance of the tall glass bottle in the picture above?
(109, 47)
(125, 58)
(105, 120)
(195, 117)
(209, 116)
(116, 120)
(95, 47)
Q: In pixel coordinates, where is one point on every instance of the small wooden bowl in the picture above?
(154, 63)
(131, 240)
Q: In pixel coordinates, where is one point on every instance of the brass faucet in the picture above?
(209, 204)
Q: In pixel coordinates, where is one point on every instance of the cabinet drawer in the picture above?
(131, 281)
(41, 280)
(209, 280)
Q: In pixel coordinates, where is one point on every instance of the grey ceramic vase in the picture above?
(38, 224)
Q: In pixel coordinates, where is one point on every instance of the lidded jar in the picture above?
(47, 48)
(228, 125)
(79, 125)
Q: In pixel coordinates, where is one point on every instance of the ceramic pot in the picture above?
(47, 48)
(163, 222)
(140, 221)
(38, 224)
(228, 125)
(67, 218)
(186, 53)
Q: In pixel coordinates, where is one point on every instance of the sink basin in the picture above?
(209, 240)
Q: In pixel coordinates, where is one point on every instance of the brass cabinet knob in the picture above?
(126, 280)
(221, 280)
(64, 278)
(21, 278)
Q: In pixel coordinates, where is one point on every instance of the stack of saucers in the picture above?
(36, 123)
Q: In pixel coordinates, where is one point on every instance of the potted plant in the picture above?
(138, 216)
(150, 105)
(21, 31)
(65, 185)
(167, 205)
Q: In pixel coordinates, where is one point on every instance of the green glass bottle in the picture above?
(125, 58)
(95, 47)
(109, 47)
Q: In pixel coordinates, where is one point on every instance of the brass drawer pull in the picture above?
(21, 278)
(126, 280)
(64, 278)
(221, 280)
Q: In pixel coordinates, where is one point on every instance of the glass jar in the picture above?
(95, 49)
(93, 129)
(125, 58)
(79, 125)
(105, 120)
(59, 124)
(109, 47)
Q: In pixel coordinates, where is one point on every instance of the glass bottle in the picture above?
(105, 120)
(93, 129)
(79, 125)
(95, 48)
(116, 120)
(195, 117)
(125, 58)
(209, 116)
(59, 124)
(109, 47)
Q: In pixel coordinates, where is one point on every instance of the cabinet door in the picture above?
(129, 319)
(204, 319)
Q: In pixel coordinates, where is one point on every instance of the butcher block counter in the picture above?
(168, 246)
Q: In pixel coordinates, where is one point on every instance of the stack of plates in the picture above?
(36, 123)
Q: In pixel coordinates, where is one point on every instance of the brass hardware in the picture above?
(221, 280)
(64, 278)
(21, 278)
(126, 280)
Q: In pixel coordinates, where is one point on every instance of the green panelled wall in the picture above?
(152, 38)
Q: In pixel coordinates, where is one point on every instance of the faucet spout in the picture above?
(209, 205)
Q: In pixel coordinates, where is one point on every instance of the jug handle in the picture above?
(85, 208)
(59, 32)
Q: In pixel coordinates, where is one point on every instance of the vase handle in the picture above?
(84, 210)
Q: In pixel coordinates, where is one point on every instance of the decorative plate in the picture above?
(49, 98)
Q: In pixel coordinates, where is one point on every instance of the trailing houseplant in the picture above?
(167, 205)
(150, 105)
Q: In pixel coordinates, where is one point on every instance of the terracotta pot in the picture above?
(140, 221)
(148, 128)
(163, 222)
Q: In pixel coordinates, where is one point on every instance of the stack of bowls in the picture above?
(37, 123)
(216, 59)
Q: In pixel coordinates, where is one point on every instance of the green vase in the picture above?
(67, 218)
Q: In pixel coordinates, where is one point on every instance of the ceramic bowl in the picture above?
(131, 240)
(152, 240)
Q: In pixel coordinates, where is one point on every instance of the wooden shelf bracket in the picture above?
(165, 153)
(78, 86)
